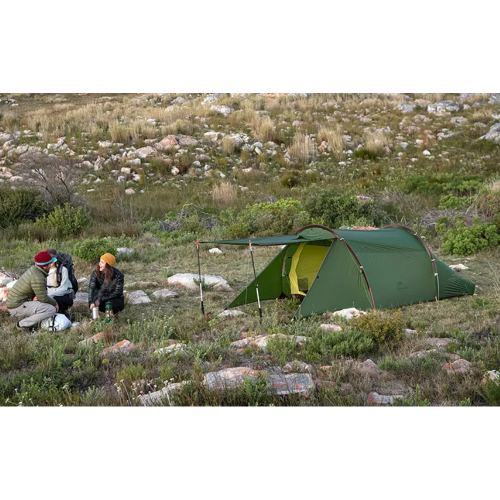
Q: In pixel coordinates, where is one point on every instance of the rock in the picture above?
(136, 162)
(165, 294)
(369, 368)
(261, 341)
(125, 251)
(166, 143)
(5, 138)
(231, 314)
(460, 366)
(223, 110)
(493, 376)
(210, 99)
(105, 336)
(493, 134)
(375, 399)
(459, 267)
(188, 141)
(129, 192)
(347, 313)
(5, 281)
(294, 383)
(188, 281)
(139, 297)
(439, 343)
(124, 346)
(170, 349)
(145, 152)
(229, 378)
(142, 284)
(440, 108)
(410, 333)
(157, 398)
(330, 328)
(297, 367)
(215, 251)
(405, 108)
(81, 298)
(175, 171)
(494, 99)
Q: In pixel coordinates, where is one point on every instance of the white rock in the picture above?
(170, 349)
(146, 152)
(331, 328)
(224, 110)
(165, 294)
(5, 281)
(157, 398)
(232, 313)
(125, 251)
(459, 267)
(348, 313)
(129, 192)
(215, 251)
(138, 297)
(188, 281)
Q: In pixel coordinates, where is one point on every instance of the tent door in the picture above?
(306, 263)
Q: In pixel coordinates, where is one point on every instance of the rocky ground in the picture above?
(156, 171)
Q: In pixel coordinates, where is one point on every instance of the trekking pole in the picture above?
(199, 273)
(256, 283)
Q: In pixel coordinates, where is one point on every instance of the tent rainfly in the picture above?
(337, 269)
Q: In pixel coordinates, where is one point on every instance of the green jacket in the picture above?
(33, 283)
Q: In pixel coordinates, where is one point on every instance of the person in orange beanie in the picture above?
(106, 285)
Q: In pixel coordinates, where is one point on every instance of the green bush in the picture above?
(324, 346)
(335, 210)
(444, 184)
(491, 392)
(450, 201)
(18, 205)
(65, 220)
(381, 327)
(462, 240)
(92, 250)
(265, 219)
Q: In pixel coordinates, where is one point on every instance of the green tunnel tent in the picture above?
(338, 269)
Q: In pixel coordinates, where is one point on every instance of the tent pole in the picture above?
(199, 273)
(256, 283)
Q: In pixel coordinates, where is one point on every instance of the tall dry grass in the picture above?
(225, 194)
(303, 148)
(263, 128)
(334, 137)
(375, 141)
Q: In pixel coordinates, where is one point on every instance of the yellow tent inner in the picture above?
(305, 267)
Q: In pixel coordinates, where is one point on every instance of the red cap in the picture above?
(43, 259)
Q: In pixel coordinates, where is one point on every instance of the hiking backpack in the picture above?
(66, 261)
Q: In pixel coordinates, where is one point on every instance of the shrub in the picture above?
(491, 392)
(444, 184)
(92, 250)
(334, 210)
(325, 345)
(18, 205)
(463, 240)
(381, 327)
(264, 219)
(65, 220)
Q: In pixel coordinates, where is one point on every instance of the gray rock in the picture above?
(494, 99)
(81, 298)
(145, 152)
(139, 297)
(231, 314)
(493, 134)
(190, 281)
(224, 110)
(442, 107)
(229, 378)
(294, 383)
(297, 367)
(405, 108)
(157, 398)
(165, 294)
(125, 251)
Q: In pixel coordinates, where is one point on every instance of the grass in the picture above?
(53, 369)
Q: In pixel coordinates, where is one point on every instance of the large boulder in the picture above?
(165, 294)
(139, 297)
(145, 152)
(166, 143)
(293, 383)
(229, 378)
(442, 107)
(157, 398)
(493, 134)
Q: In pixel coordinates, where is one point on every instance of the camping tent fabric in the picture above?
(379, 269)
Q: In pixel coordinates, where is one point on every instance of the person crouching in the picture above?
(59, 286)
(106, 285)
(28, 300)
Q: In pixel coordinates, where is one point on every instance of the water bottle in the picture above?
(95, 313)
(109, 312)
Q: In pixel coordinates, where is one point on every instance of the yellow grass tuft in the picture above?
(303, 148)
(335, 138)
(225, 194)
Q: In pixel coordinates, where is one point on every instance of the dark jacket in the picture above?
(101, 291)
(33, 283)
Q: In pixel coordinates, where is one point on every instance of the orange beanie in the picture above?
(109, 259)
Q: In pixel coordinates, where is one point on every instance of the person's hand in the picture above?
(35, 299)
(97, 303)
(57, 307)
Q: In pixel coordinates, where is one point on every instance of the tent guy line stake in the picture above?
(256, 283)
(199, 273)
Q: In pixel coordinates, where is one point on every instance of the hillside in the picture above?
(152, 173)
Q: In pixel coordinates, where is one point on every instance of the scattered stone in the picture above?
(129, 192)
(297, 367)
(369, 368)
(330, 328)
(229, 378)
(157, 398)
(191, 281)
(125, 251)
(5, 281)
(224, 110)
(138, 297)
(410, 333)
(165, 294)
(459, 267)
(261, 341)
(215, 251)
(405, 108)
(439, 343)
(124, 346)
(375, 399)
(460, 366)
(493, 376)
(170, 349)
(166, 143)
(230, 314)
(442, 107)
(294, 383)
(105, 336)
(81, 297)
(347, 313)
(142, 284)
(493, 134)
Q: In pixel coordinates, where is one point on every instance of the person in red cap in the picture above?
(28, 301)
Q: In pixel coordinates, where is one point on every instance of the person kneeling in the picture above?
(28, 300)
(106, 286)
